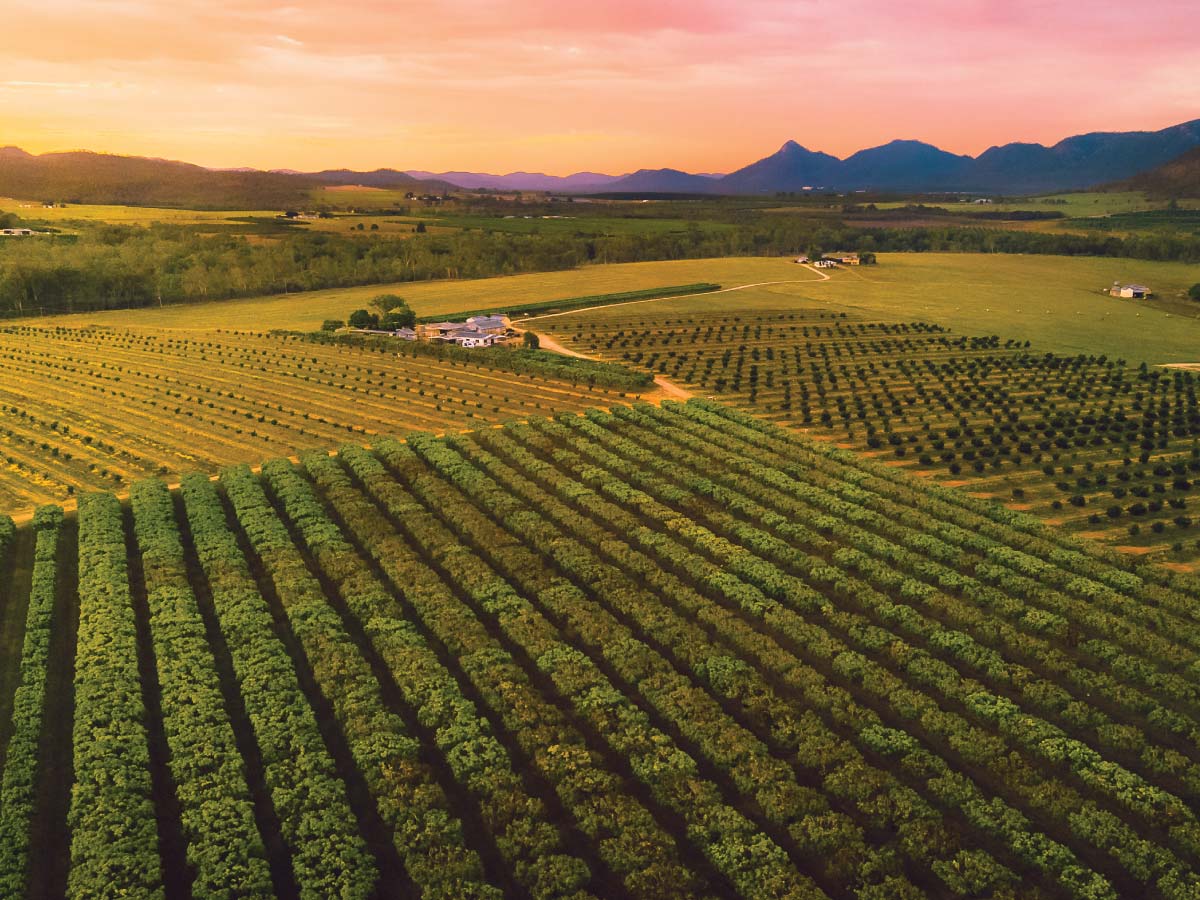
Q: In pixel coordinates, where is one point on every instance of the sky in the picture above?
(560, 86)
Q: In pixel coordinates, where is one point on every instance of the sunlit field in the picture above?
(1058, 302)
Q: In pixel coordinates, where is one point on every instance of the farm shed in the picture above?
(490, 324)
(1130, 291)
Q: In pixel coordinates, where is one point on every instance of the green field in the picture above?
(123, 215)
(573, 220)
(646, 654)
(1056, 302)
(1072, 205)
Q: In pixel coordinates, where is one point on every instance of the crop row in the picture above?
(995, 413)
(18, 790)
(329, 857)
(114, 839)
(830, 831)
(224, 848)
(88, 406)
(650, 652)
(408, 798)
(629, 842)
(740, 850)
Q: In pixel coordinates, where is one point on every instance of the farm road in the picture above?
(821, 276)
(666, 389)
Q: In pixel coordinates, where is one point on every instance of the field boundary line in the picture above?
(740, 287)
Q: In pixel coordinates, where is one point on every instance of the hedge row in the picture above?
(540, 363)
(329, 857)
(224, 848)
(735, 845)
(18, 790)
(635, 847)
(428, 837)
(573, 303)
(114, 838)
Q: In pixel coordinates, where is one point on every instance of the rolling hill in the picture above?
(1178, 178)
(84, 177)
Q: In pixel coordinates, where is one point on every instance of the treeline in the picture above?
(545, 306)
(116, 267)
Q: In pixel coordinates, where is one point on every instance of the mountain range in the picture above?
(1082, 161)
(901, 166)
(1079, 162)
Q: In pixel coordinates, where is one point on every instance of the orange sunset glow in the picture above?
(704, 85)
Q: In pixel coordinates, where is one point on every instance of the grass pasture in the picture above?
(1072, 205)
(1058, 303)
(124, 215)
(655, 653)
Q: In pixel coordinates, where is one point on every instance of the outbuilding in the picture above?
(1130, 291)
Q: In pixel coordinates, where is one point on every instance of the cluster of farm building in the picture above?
(833, 260)
(476, 331)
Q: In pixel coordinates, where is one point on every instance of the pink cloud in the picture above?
(706, 85)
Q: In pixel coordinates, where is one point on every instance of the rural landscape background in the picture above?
(531, 450)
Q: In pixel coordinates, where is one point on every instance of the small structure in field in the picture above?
(18, 232)
(1130, 291)
(826, 264)
(845, 259)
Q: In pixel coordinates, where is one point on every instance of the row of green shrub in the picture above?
(523, 361)
(544, 306)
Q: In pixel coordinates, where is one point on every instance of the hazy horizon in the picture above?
(545, 87)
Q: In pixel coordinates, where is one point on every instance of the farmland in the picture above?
(98, 408)
(1072, 205)
(658, 652)
(1055, 301)
(1090, 443)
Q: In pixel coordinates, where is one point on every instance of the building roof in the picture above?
(497, 321)
(445, 326)
(1136, 287)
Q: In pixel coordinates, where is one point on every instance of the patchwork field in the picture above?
(1089, 443)
(660, 653)
(1081, 203)
(1057, 302)
(96, 408)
